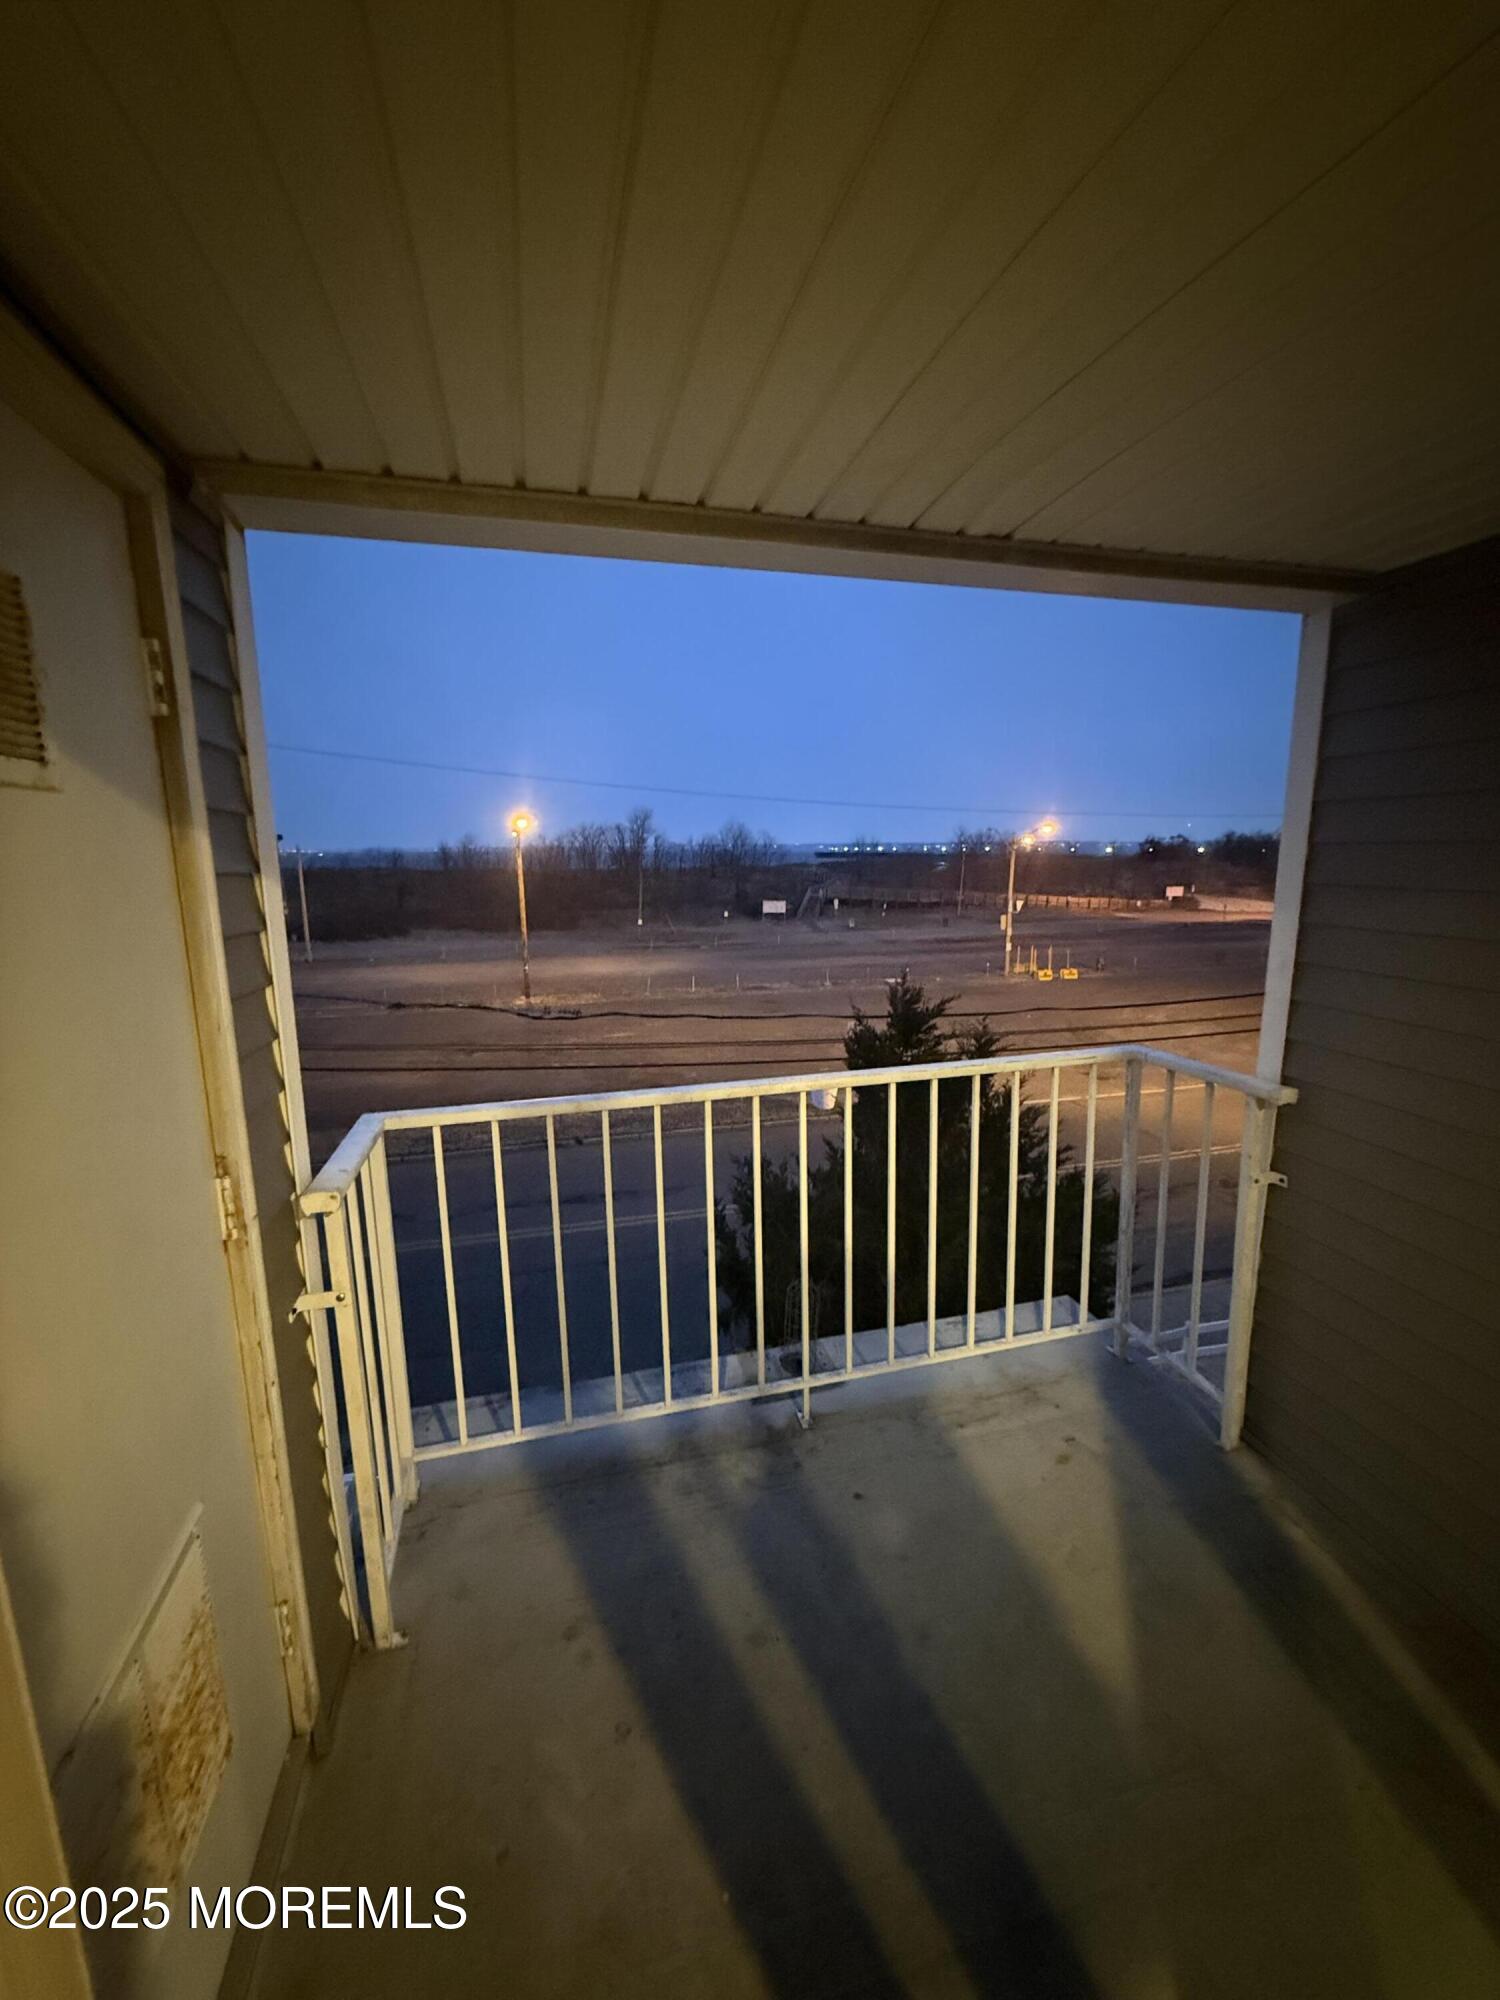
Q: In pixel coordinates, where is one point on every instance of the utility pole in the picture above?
(302, 894)
(523, 823)
(963, 862)
(640, 889)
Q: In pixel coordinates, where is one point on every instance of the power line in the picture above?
(749, 798)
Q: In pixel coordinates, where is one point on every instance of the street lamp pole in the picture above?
(1044, 830)
(1010, 907)
(522, 823)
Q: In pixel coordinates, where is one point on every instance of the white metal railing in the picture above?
(528, 1359)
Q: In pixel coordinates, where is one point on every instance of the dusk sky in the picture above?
(920, 706)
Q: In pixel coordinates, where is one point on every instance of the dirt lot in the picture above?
(433, 1020)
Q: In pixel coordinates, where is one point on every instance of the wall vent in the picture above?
(24, 756)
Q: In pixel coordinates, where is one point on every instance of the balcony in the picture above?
(759, 1642)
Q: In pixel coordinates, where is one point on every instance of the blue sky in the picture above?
(972, 705)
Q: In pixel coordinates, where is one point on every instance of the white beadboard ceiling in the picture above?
(1204, 280)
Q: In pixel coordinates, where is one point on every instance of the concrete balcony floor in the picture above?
(1001, 1680)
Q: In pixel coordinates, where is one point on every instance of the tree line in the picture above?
(621, 870)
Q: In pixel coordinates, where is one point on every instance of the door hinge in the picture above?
(284, 1628)
(158, 681)
(231, 1215)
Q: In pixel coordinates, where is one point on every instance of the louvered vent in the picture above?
(23, 743)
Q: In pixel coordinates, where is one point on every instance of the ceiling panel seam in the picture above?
(634, 98)
(171, 202)
(401, 213)
(212, 11)
(916, 53)
(941, 347)
(781, 50)
(937, 226)
(979, 520)
(1308, 329)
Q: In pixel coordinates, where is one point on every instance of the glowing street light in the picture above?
(521, 823)
(1043, 830)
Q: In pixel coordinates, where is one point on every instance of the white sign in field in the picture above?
(773, 906)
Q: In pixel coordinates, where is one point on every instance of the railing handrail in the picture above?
(343, 1164)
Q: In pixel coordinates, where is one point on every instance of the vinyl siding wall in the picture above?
(1375, 1374)
(208, 628)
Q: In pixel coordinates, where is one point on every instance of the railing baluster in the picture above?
(384, 1460)
(507, 1298)
(973, 1291)
(932, 1214)
(760, 1262)
(1051, 1243)
(1200, 1227)
(1163, 1178)
(1012, 1206)
(713, 1249)
(557, 1268)
(1086, 1253)
(890, 1222)
(1130, 1145)
(661, 1259)
(849, 1229)
(381, 1330)
(802, 1245)
(398, 1387)
(446, 1235)
(609, 1251)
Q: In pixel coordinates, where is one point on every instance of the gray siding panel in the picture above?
(1412, 1045)
(1375, 1373)
(1425, 1142)
(1458, 817)
(1436, 913)
(1460, 670)
(1405, 865)
(1433, 770)
(1329, 1232)
(1394, 954)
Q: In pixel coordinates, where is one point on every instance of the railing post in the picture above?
(361, 1438)
(314, 1226)
(1250, 1215)
(1130, 1140)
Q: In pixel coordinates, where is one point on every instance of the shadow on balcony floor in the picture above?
(1006, 1682)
